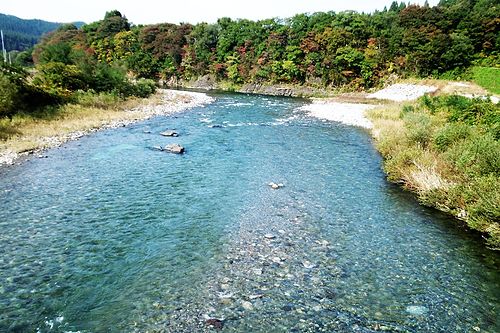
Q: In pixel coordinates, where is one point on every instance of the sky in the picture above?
(188, 11)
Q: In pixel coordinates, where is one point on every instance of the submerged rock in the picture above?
(416, 310)
(247, 305)
(174, 148)
(215, 323)
(307, 264)
(275, 186)
(170, 133)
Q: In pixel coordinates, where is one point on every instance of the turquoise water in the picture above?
(109, 235)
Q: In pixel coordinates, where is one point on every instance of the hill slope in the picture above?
(22, 34)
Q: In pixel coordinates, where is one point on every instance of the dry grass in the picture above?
(30, 132)
(425, 178)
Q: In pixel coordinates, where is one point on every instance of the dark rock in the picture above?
(170, 133)
(215, 323)
(174, 148)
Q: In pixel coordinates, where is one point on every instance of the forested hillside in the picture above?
(22, 34)
(348, 48)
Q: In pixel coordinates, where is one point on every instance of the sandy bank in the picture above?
(167, 102)
(403, 92)
(353, 113)
(346, 113)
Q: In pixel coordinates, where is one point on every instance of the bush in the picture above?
(144, 88)
(477, 156)
(418, 128)
(473, 112)
(9, 94)
(101, 100)
(450, 134)
(59, 79)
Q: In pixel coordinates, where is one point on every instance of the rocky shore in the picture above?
(171, 101)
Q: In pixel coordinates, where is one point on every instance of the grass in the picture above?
(27, 132)
(446, 149)
(488, 78)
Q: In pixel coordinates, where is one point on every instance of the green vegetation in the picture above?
(349, 49)
(22, 34)
(447, 150)
(488, 78)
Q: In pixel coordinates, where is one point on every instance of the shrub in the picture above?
(407, 109)
(101, 100)
(144, 88)
(473, 112)
(450, 134)
(477, 156)
(418, 128)
(9, 94)
(59, 78)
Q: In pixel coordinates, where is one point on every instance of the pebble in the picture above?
(247, 305)
(276, 260)
(416, 310)
(308, 264)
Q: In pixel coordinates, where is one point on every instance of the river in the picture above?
(107, 234)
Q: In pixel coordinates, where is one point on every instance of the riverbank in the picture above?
(33, 134)
(443, 147)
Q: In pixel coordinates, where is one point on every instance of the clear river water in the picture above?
(107, 234)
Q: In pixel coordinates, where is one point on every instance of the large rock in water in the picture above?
(170, 133)
(174, 148)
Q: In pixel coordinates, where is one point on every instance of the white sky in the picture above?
(191, 11)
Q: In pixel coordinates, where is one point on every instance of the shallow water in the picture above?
(109, 235)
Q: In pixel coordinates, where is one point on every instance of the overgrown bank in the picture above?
(28, 133)
(447, 150)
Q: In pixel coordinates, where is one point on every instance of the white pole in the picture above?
(3, 49)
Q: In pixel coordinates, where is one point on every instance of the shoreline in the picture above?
(347, 108)
(170, 102)
(351, 109)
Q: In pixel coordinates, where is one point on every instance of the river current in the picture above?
(107, 234)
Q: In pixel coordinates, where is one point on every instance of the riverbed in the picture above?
(108, 234)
